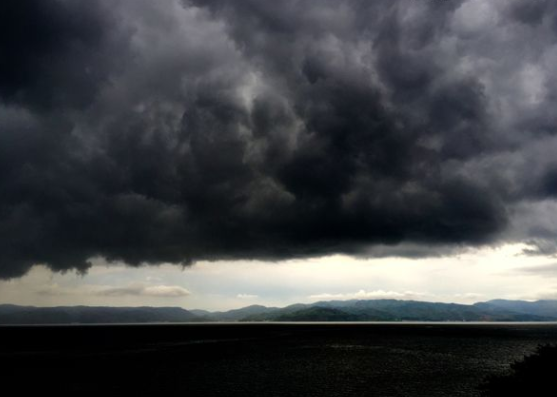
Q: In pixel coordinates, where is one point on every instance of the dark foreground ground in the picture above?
(263, 359)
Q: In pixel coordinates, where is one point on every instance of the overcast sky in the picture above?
(214, 152)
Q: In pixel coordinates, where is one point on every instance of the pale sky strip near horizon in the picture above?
(472, 276)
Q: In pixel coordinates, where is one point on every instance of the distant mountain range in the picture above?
(352, 310)
(11, 314)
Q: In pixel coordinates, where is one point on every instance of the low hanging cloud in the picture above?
(161, 291)
(546, 271)
(398, 295)
(377, 294)
(149, 132)
(135, 289)
(247, 296)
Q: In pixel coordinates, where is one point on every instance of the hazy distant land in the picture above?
(353, 310)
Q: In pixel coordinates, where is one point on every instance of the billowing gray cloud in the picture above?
(177, 131)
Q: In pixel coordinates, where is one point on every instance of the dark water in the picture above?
(265, 359)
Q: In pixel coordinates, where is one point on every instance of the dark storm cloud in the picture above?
(177, 131)
(52, 52)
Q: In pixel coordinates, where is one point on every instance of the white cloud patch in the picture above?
(378, 294)
(246, 296)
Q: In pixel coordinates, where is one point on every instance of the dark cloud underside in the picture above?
(175, 131)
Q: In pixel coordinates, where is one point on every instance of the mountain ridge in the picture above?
(391, 310)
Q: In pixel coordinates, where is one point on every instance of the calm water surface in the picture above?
(327, 359)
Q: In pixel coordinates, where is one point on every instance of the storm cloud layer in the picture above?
(172, 131)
